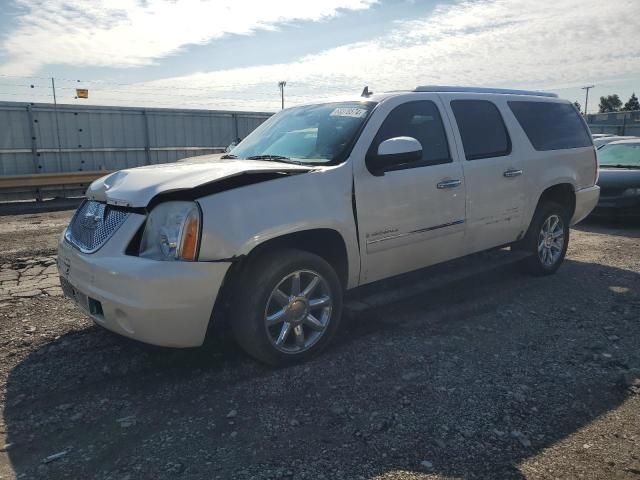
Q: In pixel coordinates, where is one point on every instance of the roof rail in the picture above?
(503, 91)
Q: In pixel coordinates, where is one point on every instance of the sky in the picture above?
(231, 54)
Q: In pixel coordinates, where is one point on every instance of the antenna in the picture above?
(365, 92)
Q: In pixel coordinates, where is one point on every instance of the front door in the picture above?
(414, 215)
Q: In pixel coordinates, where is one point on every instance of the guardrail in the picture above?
(50, 179)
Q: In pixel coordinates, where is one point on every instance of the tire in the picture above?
(266, 295)
(547, 252)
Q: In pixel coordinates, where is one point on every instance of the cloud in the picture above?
(131, 33)
(544, 44)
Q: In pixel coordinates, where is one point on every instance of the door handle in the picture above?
(512, 173)
(449, 184)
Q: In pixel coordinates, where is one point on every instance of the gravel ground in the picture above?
(496, 375)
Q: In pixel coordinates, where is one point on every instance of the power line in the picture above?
(304, 84)
(167, 95)
(138, 92)
(22, 76)
(123, 94)
(21, 94)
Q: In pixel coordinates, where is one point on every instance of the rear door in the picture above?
(412, 216)
(493, 171)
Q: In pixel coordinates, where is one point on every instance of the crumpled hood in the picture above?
(135, 187)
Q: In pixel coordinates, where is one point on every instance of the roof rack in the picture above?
(503, 91)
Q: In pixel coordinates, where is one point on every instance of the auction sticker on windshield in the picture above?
(349, 112)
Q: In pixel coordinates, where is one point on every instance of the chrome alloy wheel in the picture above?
(551, 240)
(298, 311)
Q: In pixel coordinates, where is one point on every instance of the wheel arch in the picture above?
(327, 243)
(562, 193)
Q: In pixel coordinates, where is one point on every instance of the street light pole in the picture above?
(55, 113)
(282, 84)
(586, 100)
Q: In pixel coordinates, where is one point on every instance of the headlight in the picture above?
(631, 192)
(172, 232)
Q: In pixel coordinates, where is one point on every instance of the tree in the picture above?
(610, 103)
(632, 104)
(578, 106)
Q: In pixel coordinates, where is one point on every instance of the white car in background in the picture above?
(600, 142)
(322, 198)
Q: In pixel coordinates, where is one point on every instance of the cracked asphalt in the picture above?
(493, 374)
(29, 277)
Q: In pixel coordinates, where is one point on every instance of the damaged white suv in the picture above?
(322, 198)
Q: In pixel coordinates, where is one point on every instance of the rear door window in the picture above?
(551, 126)
(483, 132)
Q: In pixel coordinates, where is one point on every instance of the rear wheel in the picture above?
(547, 239)
(287, 307)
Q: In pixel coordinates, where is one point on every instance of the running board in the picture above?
(412, 284)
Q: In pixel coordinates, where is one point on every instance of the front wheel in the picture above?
(288, 305)
(547, 239)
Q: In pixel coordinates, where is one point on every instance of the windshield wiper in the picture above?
(619, 165)
(274, 158)
(228, 155)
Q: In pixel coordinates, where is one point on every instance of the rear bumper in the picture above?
(162, 303)
(586, 200)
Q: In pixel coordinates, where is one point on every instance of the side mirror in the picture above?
(394, 152)
(232, 145)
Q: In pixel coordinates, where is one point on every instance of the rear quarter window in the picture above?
(551, 126)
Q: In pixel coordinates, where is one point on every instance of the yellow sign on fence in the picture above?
(82, 93)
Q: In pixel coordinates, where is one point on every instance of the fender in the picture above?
(238, 220)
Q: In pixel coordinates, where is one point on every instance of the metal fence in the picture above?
(38, 138)
(617, 123)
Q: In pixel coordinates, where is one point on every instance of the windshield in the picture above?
(322, 133)
(622, 154)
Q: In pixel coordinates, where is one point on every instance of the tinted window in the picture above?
(420, 120)
(482, 129)
(551, 126)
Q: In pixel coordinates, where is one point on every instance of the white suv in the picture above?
(322, 198)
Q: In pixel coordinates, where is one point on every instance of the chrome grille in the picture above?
(93, 224)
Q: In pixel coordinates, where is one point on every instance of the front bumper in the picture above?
(162, 303)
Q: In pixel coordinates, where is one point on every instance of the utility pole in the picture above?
(281, 85)
(55, 113)
(586, 100)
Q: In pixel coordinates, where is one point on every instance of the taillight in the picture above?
(596, 168)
